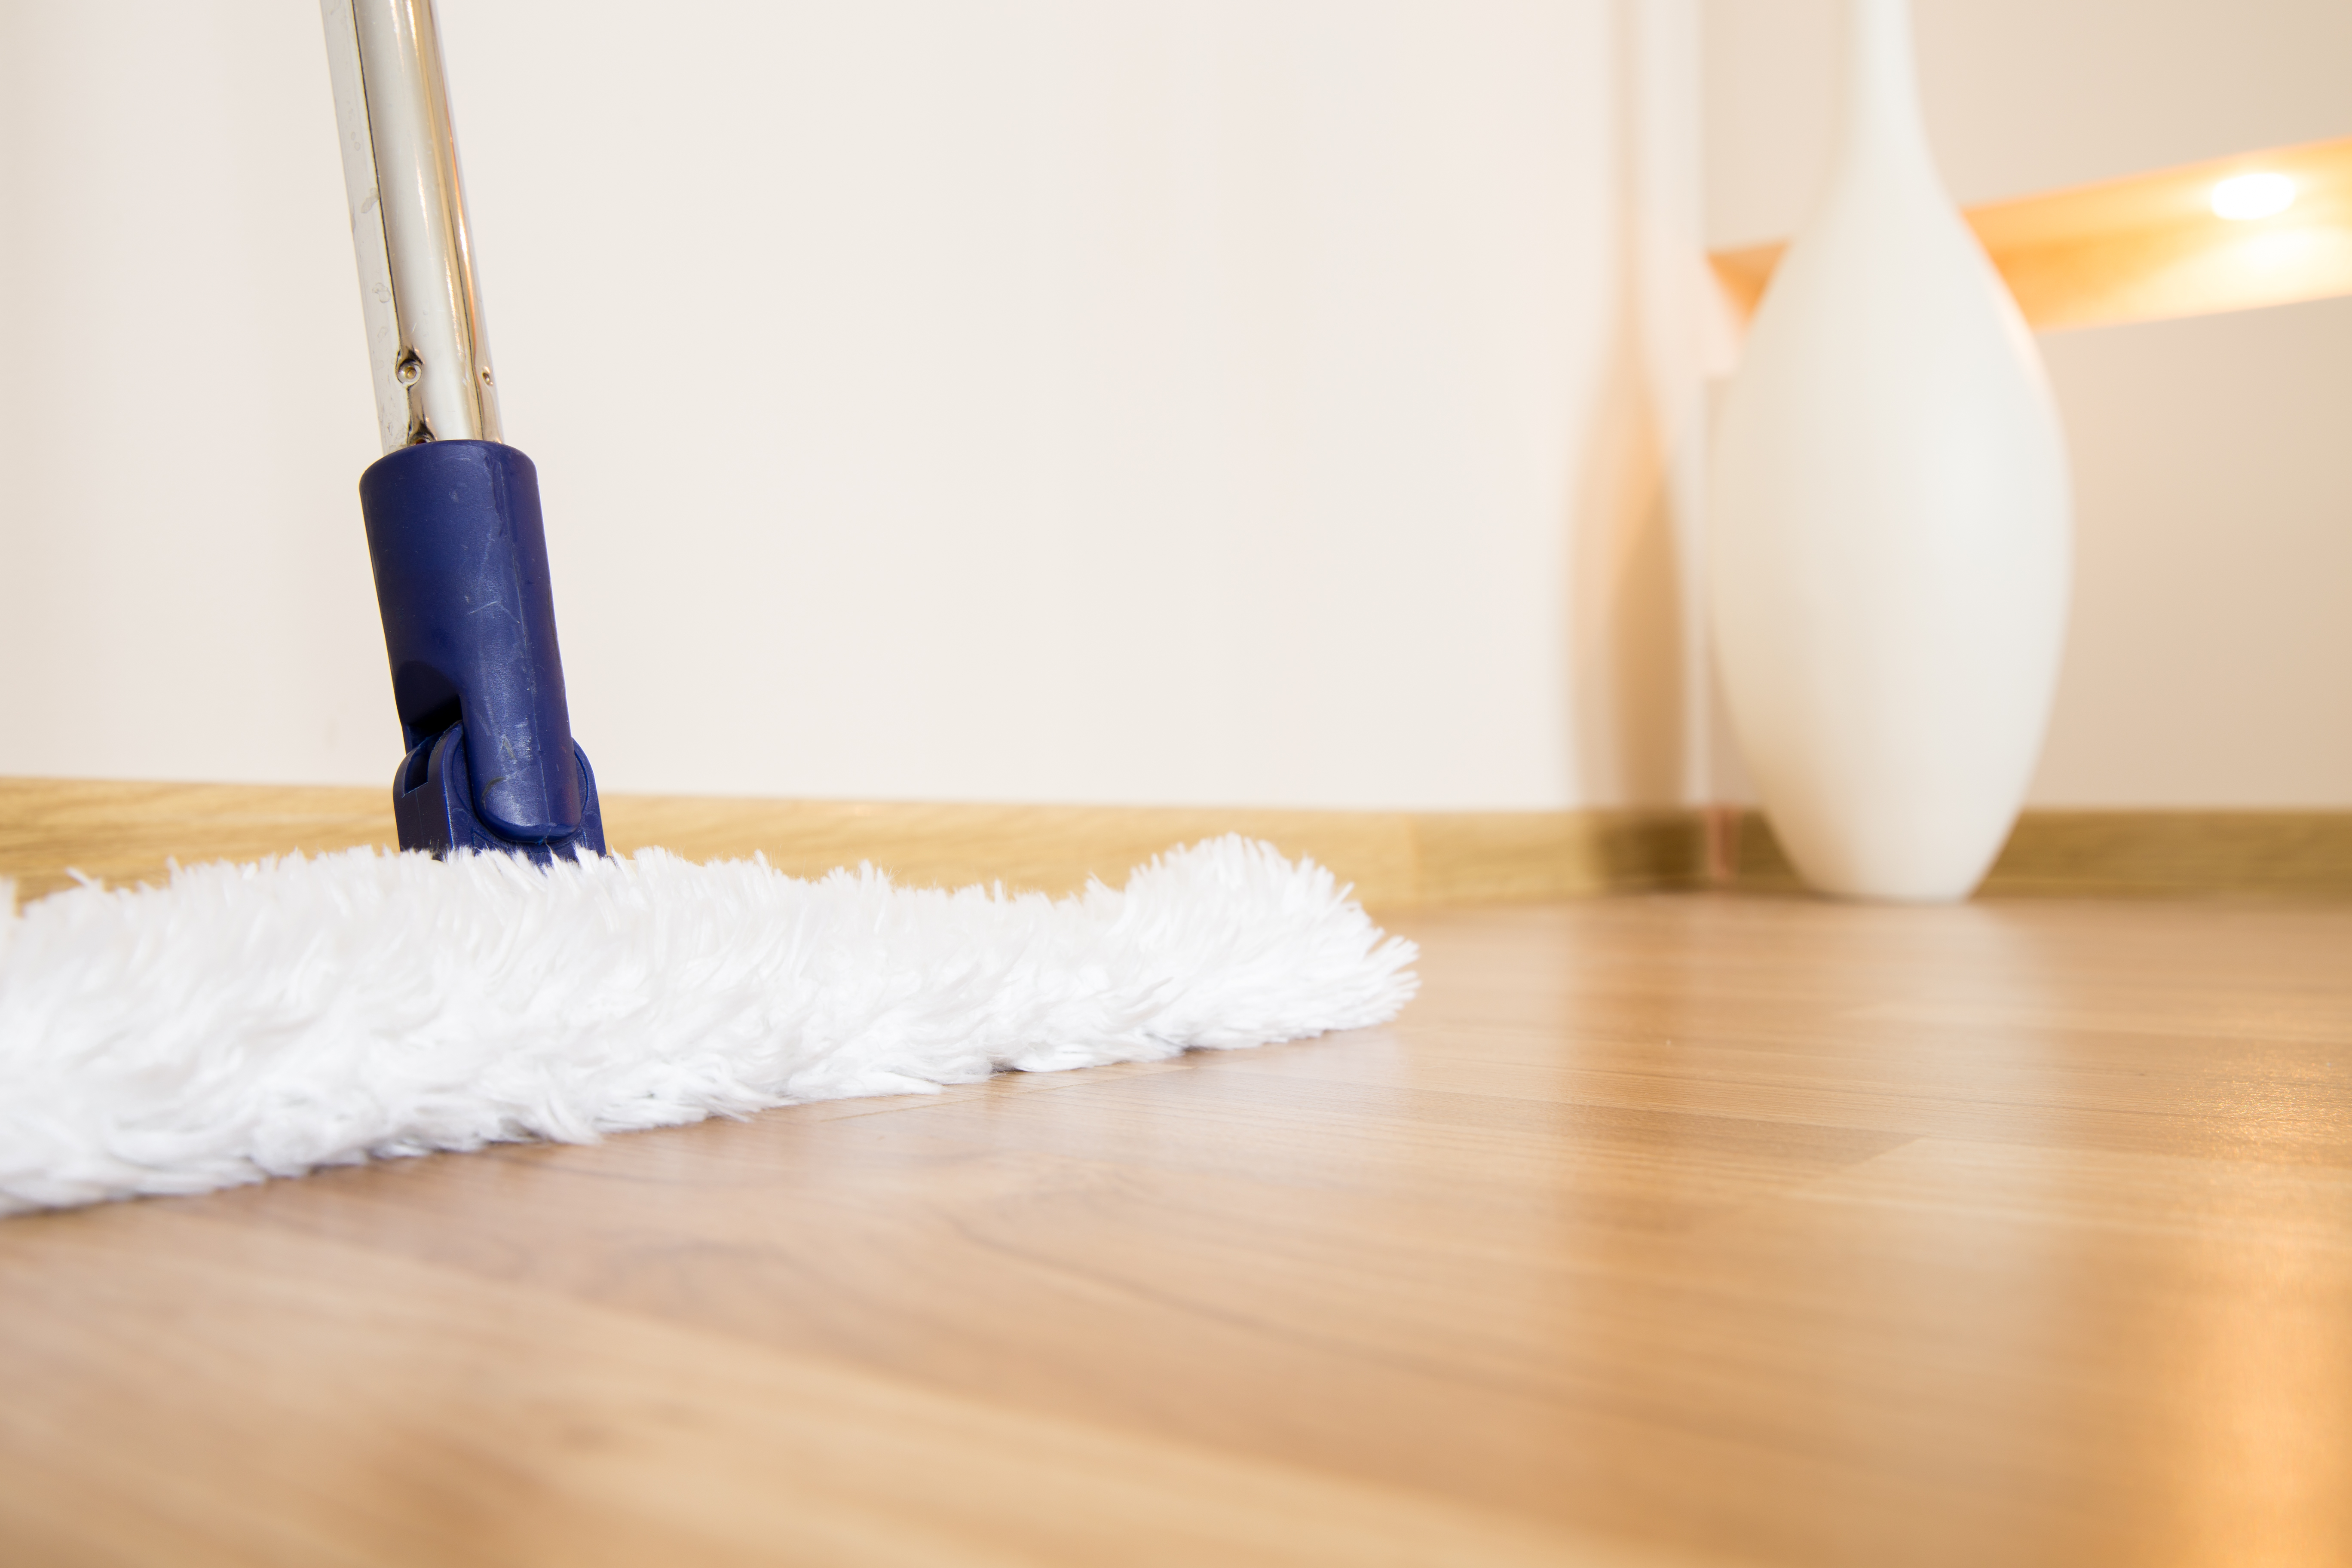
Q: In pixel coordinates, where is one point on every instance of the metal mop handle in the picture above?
(431, 362)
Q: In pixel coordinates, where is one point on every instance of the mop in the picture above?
(502, 977)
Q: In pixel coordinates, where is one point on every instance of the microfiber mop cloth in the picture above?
(264, 1020)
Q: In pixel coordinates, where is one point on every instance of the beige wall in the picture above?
(1270, 401)
(2210, 657)
(1290, 403)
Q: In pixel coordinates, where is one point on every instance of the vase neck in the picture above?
(1880, 128)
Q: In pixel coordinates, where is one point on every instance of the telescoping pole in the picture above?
(425, 344)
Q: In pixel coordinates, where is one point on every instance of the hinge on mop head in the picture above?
(433, 801)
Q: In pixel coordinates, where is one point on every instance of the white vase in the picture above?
(1892, 541)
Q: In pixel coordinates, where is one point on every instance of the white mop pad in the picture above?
(255, 1021)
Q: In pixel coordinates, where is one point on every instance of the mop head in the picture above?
(263, 1020)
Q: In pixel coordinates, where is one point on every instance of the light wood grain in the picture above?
(2129, 853)
(128, 832)
(2148, 247)
(559, 1430)
(1670, 1228)
(1053, 849)
(116, 830)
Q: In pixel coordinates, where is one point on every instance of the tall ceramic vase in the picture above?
(1892, 538)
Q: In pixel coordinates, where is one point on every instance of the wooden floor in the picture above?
(1670, 1229)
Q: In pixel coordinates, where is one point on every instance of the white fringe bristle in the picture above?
(263, 1020)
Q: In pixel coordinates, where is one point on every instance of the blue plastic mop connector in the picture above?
(460, 558)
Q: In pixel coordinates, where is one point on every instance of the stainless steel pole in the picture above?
(430, 361)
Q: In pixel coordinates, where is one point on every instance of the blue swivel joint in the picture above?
(460, 557)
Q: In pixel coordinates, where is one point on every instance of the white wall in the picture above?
(2210, 657)
(1275, 401)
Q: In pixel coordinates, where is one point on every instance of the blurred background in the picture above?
(1289, 403)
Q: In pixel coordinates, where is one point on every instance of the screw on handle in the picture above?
(430, 362)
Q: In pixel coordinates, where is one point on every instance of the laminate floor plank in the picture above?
(1689, 1229)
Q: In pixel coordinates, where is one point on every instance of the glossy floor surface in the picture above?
(1678, 1229)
